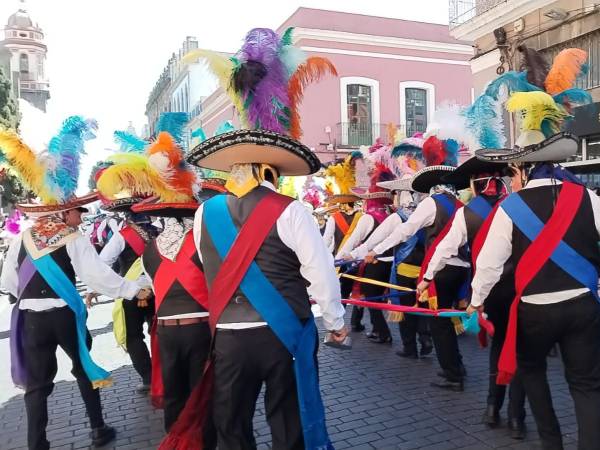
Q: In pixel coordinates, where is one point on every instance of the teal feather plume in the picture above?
(173, 123)
(129, 142)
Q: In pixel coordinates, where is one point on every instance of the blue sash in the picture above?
(446, 203)
(480, 207)
(564, 256)
(65, 289)
(300, 340)
(400, 254)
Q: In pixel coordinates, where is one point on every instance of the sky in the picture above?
(104, 56)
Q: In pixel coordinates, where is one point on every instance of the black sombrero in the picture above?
(365, 193)
(556, 148)
(461, 177)
(121, 204)
(428, 177)
(40, 210)
(221, 152)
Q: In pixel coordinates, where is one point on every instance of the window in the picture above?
(40, 66)
(417, 104)
(416, 110)
(359, 123)
(591, 44)
(23, 63)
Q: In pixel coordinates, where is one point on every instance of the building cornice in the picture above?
(496, 17)
(486, 61)
(380, 41)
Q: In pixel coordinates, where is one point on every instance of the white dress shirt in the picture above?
(111, 252)
(422, 217)
(297, 230)
(498, 248)
(329, 234)
(88, 266)
(384, 229)
(359, 234)
(448, 247)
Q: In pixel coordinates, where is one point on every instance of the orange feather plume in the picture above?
(565, 69)
(312, 70)
(166, 158)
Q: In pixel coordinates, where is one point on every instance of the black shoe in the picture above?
(405, 354)
(143, 388)
(426, 350)
(373, 335)
(381, 340)
(358, 328)
(491, 416)
(517, 429)
(455, 386)
(103, 435)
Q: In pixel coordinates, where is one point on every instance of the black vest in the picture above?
(127, 257)
(177, 300)
(441, 219)
(338, 236)
(581, 235)
(473, 221)
(37, 287)
(276, 261)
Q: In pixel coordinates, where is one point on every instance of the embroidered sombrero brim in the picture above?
(325, 210)
(39, 210)
(559, 147)
(461, 177)
(154, 207)
(428, 177)
(341, 198)
(396, 185)
(121, 204)
(221, 152)
(365, 194)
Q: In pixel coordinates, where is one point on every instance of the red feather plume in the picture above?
(434, 151)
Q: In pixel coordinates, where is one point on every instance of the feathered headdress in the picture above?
(343, 175)
(172, 123)
(52, 175)
(266, 79)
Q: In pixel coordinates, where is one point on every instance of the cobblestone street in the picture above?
(374, 400)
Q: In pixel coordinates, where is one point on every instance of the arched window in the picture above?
(417, 103)
(360, 111)
(24, 63)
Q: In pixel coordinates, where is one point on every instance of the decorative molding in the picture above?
(496, 17)
(380, 41)
(486, 61)
(338, 51)
(428, 87)
(375, 113)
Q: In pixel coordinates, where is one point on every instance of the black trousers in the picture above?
(244, 360)
(43, 333)
(183, 352)
(575, 326)
(135, 317)
(412, 324)
(498, 315)
(381, 272)
(448, 283)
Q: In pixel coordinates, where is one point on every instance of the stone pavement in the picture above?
(374, 400)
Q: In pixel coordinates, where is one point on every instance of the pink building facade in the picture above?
(390, 71)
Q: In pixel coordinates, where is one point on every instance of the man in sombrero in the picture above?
(549, 232)
(40, 270)
(260, 250)
(433, 215)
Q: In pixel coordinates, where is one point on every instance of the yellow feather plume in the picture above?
(343, 175)
(222, 67)
(133, 174)
(25, 163)
(535, 107)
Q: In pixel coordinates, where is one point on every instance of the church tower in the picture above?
(23, 57)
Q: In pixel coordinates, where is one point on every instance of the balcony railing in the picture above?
(461, 11)
(353, 135)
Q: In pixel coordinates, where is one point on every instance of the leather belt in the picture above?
(176, 322)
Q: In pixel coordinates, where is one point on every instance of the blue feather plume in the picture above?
(452, 148)
(574, 96)
(65, 149)
(200, 134)
(224, 127)
(356, 154)
(129, 143)
(513, 82)
(173, 123)
(484, 120)
(405, 149)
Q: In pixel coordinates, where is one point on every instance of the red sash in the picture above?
(534, 258)
(134, 240)
(431, 291)
(341, 222)
(189, 275)
(186, 433)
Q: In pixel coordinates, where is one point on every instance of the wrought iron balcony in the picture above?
(461, 11)
(353, 135)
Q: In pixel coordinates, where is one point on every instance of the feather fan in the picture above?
(311, 71)
(484, 120)
(535, 65)
(535, 108)
(564, 71)
(25, 163)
